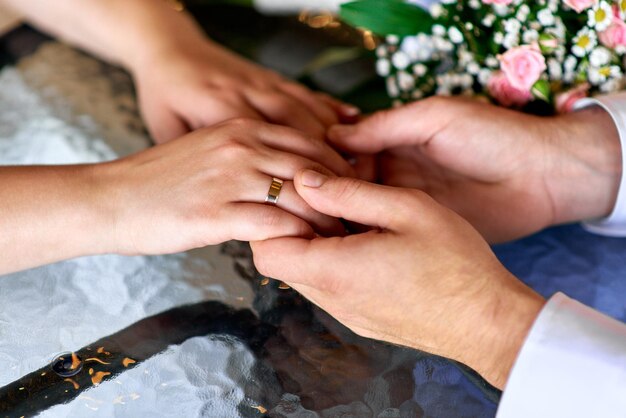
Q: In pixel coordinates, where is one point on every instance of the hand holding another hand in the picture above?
(509, 174)
(424, 278)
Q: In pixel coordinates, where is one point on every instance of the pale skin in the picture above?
(205, 188)
(184, 80)
(422, 276)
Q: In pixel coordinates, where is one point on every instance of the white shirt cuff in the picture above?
(615, 223)
(573, 364)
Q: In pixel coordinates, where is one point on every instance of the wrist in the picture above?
(506, 322)
(584, 165)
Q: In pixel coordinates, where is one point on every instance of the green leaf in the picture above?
(387, 17)
(541, 90)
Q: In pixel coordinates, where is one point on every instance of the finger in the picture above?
(257, 222)
(357, 200)
(322, 111)
(292, 141)
(284, 110)
(412, 124)
(347, 113)
(216, 108)
(164, 125)
(257, 189)
(291, 259)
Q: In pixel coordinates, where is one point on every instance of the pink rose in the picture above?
(565, 101)
(504, 93)
(580, 5)
(499, 2)
(523, 66)
(614, 35)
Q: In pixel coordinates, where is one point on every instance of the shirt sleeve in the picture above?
(615, 224)
(573, 364)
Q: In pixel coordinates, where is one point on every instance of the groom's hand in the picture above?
(508, 173)
(423, 278)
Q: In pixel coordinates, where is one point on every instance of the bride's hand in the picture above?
(210, 186)
(190, 87)
(510, 174)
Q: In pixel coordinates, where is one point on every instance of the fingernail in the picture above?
(339, 131)
(349, 110)
(313, 179)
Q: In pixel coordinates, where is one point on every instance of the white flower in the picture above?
(419, 70)
(455, 35)
(492, 62)
(599, 56)
(483, 76)
(489, 19)
(410, 46)
(545, 17)
(530, 36)
(622, 8)
(392, 87)
(512, 26)
(597, 75)
(584, 41)
(406, 81)
(554, 69)
(442, 45)
(498, 38)
(600, 16)
(400, 60)
(473, 68)
(466, 81)
(438, 30)
(475, 4)
(612, 85)
(392, 39)
(522, 13)
(448, 1)
(381, 51)
(436, 10)
(383, 67)
(501, 9)
(510, 40)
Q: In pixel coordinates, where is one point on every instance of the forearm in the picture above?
(48, 214)
(122, 31)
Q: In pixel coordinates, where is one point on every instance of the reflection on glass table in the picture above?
(200, 333)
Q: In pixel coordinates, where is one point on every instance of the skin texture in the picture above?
(184, 80)
(509, 174)
(422, 277)
(206, 188)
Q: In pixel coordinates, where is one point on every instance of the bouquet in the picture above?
(510, 51)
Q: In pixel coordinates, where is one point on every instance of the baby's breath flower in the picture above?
(512, 26)
(383, 67)
(511, 40)
(381, 51)
(420, 70)
(392, 87)
(530, 36)
(455, 35)
(522, 13)
(400, 60)
(584, 41)
(436, 10)
(475, 4)
(545, 17)
(600, 16)
(489, 19)
(473, 68)
(406, 81)
(554, 69)
(498, 38)
(492, 62)
(438, 30)
(392, 39)
(484, 75)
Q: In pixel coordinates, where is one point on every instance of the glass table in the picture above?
(201, 333)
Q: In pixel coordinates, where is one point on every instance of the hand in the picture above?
(209, 187)
(424, 279)
(509, 174)
(197, 86)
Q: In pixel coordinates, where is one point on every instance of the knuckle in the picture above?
(348, 188)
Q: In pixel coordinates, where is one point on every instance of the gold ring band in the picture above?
(274, 192)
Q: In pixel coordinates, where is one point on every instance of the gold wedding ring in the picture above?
(274, 192)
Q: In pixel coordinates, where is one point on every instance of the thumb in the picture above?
(352, 199)
(412, 124)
